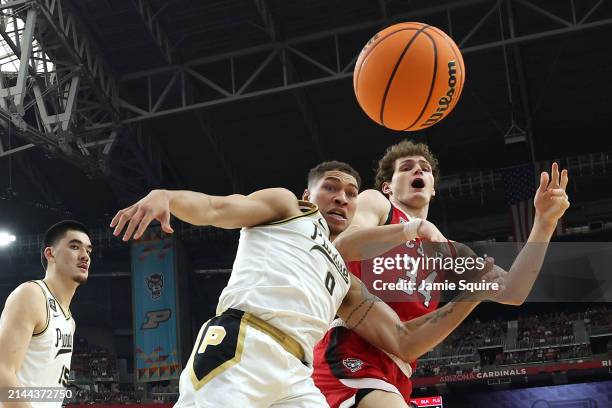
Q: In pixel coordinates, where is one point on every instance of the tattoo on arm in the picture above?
(440, 313)
(432, 318)
(362, 317)
(368, 297)
(348, 319)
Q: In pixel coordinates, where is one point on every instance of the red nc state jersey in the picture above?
(409, 296)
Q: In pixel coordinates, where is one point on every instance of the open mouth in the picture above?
(338, 215)
(83, 268)
(418, 183)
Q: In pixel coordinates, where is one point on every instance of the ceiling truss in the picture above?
(81, 112)
(268, 72)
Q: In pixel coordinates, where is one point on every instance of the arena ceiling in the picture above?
(234, 95)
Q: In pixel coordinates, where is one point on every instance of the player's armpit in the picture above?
(378, 324)
(24, 314)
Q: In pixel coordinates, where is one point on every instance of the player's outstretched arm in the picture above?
(550, 202)
(367, 237)
(378, 324)
(24, 313)
(233, 211)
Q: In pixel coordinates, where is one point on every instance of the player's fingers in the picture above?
(439, 238)
(144, 223)
(133, 224)
(115, 219)
(501, 284)
(496, 273)
(543, 181)
(557, 192)
(554, 176)
(487, 267)
(564, 179)
(123, 219)
(165, 223)
(562, 201)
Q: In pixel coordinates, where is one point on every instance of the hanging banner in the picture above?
(156, 354)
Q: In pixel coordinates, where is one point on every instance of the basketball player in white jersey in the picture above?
(287, 284)
(36, 326)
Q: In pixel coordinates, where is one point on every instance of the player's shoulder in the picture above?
(373, 201)
(278, 197)
(283, 203)
(28, 299)
(30, 292)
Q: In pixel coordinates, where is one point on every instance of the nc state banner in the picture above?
(154, 307)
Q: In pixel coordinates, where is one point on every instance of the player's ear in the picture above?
(48, 254)
(386, 188)
(306, 195)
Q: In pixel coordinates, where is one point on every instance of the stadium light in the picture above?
(6, 238)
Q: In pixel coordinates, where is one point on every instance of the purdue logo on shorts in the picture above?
(217, 348)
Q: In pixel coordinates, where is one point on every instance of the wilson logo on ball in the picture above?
(444, 102)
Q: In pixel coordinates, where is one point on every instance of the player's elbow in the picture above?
(407, 347)
(222, 211)
(7, 375)
(407, 354)
(408, 357)
(517, 301)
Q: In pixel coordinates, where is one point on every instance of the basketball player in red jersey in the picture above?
(349, 371)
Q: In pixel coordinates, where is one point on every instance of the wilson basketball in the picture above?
(409, 76)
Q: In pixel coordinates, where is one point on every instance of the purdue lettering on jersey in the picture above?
(63, 342)
(290, 275)
(329, 251)
(47, 359)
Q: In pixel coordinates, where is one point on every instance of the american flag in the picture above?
(520, 188)
(520, 184)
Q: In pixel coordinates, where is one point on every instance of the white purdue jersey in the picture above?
(47, 360)
(289, 274)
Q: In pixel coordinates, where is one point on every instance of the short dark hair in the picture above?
(57, 231)
(319, 170)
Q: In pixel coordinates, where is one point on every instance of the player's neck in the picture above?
(412, 212)
(62, 289)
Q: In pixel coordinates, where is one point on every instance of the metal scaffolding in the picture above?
(272, 56)
(65, 98)
(63, 86)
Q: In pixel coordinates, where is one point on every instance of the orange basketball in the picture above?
(409, 76)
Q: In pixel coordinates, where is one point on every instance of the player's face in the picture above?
(72, 256)
(335, 194)
(412, 183)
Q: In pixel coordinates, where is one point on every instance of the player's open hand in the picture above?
(155, 206)
(551, 200)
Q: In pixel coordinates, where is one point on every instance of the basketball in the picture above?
(409, 76)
